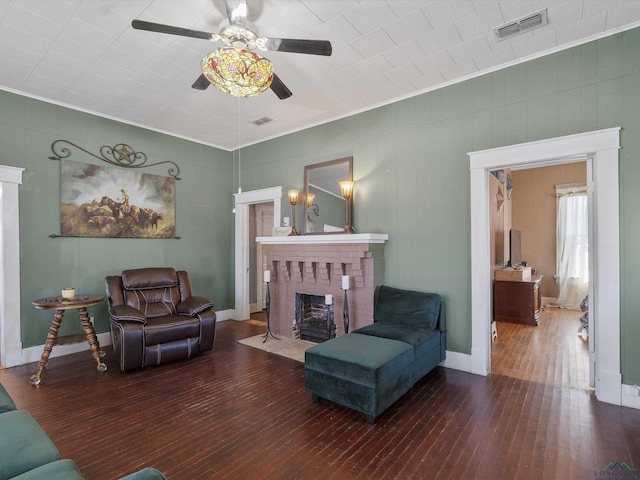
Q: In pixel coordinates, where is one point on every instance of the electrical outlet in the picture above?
(91, 319)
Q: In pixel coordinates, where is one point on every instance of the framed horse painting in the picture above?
(98, 201)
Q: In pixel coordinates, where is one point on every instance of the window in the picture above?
(572, 245)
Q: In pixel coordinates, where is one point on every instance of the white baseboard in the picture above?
(609, 387)
(222, 315)
(455, 360)
(458, 361)
(631, 396)
(33, 354)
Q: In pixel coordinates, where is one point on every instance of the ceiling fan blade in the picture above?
(279, 88)
(237, 12)
(293, 45)
(201, 83)
(160, 28)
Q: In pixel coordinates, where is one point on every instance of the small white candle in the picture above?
(328, 299)
(68, 292)
(267, 276)
(345, 282)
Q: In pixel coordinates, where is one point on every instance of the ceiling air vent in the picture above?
(262, 121)
(521, 25)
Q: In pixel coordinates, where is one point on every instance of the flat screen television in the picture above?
(515, 252)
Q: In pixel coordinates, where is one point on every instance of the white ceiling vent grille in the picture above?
(262, 121)
(521, 25)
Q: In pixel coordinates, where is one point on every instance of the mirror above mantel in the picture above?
(327, 213)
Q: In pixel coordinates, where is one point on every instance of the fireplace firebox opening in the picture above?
(314, 318)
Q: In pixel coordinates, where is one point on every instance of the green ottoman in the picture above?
(6, 402)
(362, 372)
(23, 444)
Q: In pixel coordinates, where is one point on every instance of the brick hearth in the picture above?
(314, 265)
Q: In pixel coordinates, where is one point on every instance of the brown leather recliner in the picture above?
(155, 318)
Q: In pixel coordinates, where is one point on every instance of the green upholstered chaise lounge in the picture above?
(372, 367)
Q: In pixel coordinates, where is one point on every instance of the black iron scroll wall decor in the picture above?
(99, 201)
(121, 155)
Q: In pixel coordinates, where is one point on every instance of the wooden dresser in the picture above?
(517, 301)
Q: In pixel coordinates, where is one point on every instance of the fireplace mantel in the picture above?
(315, 264)
(320, 239)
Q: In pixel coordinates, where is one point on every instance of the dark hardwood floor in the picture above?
(551, 353)
(239, 412)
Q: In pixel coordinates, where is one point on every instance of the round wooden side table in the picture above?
(60, 304)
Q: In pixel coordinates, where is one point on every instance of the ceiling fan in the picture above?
(235, 68)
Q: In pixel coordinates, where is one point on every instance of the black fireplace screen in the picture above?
(314, 318)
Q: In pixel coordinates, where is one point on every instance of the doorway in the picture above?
(10, 344)
(601, 149)
(538, 319)
(243, 201)
(261, 225)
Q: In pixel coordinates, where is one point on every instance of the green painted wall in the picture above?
(204, 218)
(412, 170)
(410, 166)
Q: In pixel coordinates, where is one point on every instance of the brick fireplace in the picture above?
(314, 265)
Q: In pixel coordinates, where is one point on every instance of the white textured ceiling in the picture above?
(84, 54)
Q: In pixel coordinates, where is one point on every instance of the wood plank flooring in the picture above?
(551, 353)
(239, 412)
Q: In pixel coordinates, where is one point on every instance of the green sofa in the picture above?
(27, 453)
(372, 367)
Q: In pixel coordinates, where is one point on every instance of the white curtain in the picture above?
(572, 254)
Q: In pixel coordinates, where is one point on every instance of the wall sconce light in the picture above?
(312, 207)
(293, 200)
(346, 188)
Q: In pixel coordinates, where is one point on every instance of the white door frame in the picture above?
(10, 317)
(257, 274)
(601, 148)
(242, 309)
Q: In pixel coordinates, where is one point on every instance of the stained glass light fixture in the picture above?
(238, 72)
